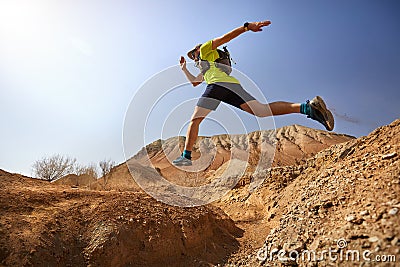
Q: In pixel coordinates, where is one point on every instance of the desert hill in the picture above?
(293, 144)
(83, 180)
(347, 192)
(346, 195)
(43, 224)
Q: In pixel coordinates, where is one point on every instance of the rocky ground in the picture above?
(343, 199)
(46, 225)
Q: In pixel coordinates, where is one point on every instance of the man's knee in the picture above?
(257, 109)
(263, 113)
(196, 120)
(198, 116)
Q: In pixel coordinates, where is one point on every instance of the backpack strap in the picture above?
(223, 62)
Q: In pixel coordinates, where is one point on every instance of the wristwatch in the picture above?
(246, 26)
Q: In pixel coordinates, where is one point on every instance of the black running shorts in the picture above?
(230, 93)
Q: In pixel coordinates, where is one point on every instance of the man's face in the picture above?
(196, 54)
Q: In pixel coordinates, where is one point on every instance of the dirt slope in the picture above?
(82, 181)
(43, 224)
(348, 192)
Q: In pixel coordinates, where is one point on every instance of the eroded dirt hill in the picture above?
(345, 198)
(293, 145)
(284, 146)
(47, 225)
(348, 191)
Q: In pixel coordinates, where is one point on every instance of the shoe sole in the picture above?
(181, 164)
(320, 105)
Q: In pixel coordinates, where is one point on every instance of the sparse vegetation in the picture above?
(54, 167)
(57, 166)
(106, 166)
(90, 170)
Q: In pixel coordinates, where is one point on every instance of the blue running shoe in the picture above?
(320, 113)
(182, 161)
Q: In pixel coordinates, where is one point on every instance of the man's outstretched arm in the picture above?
(252, 26)
(193, 79)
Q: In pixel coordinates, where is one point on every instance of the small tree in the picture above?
(90, 170)
(54, 167)
(106, 166)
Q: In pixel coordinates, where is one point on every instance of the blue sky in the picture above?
(69, 69)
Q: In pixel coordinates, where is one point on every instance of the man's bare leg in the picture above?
(276, 108)
(192, 133)
(315, 109)
(193, 129)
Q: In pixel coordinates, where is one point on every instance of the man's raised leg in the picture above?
(315, 109)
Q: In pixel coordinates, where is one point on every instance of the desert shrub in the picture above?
(90, 170)
(57, 166)
(53, 167)
(106, 166)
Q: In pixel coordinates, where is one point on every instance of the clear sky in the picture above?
(69, 69)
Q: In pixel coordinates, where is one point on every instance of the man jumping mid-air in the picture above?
(223, 87)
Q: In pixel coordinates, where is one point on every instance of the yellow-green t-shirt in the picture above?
(214, 74)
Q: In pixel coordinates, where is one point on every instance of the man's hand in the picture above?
(182, 62)
(257, 26)
(194, 80)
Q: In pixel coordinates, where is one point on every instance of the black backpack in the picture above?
(223, 62)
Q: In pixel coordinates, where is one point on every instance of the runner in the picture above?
(223, 87)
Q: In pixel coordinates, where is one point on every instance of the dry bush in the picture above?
(58, 166)
(54, 167)
(106, 166)
(90, 170)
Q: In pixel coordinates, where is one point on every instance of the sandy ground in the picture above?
(348, 191)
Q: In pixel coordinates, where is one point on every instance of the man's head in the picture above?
(194, 54)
